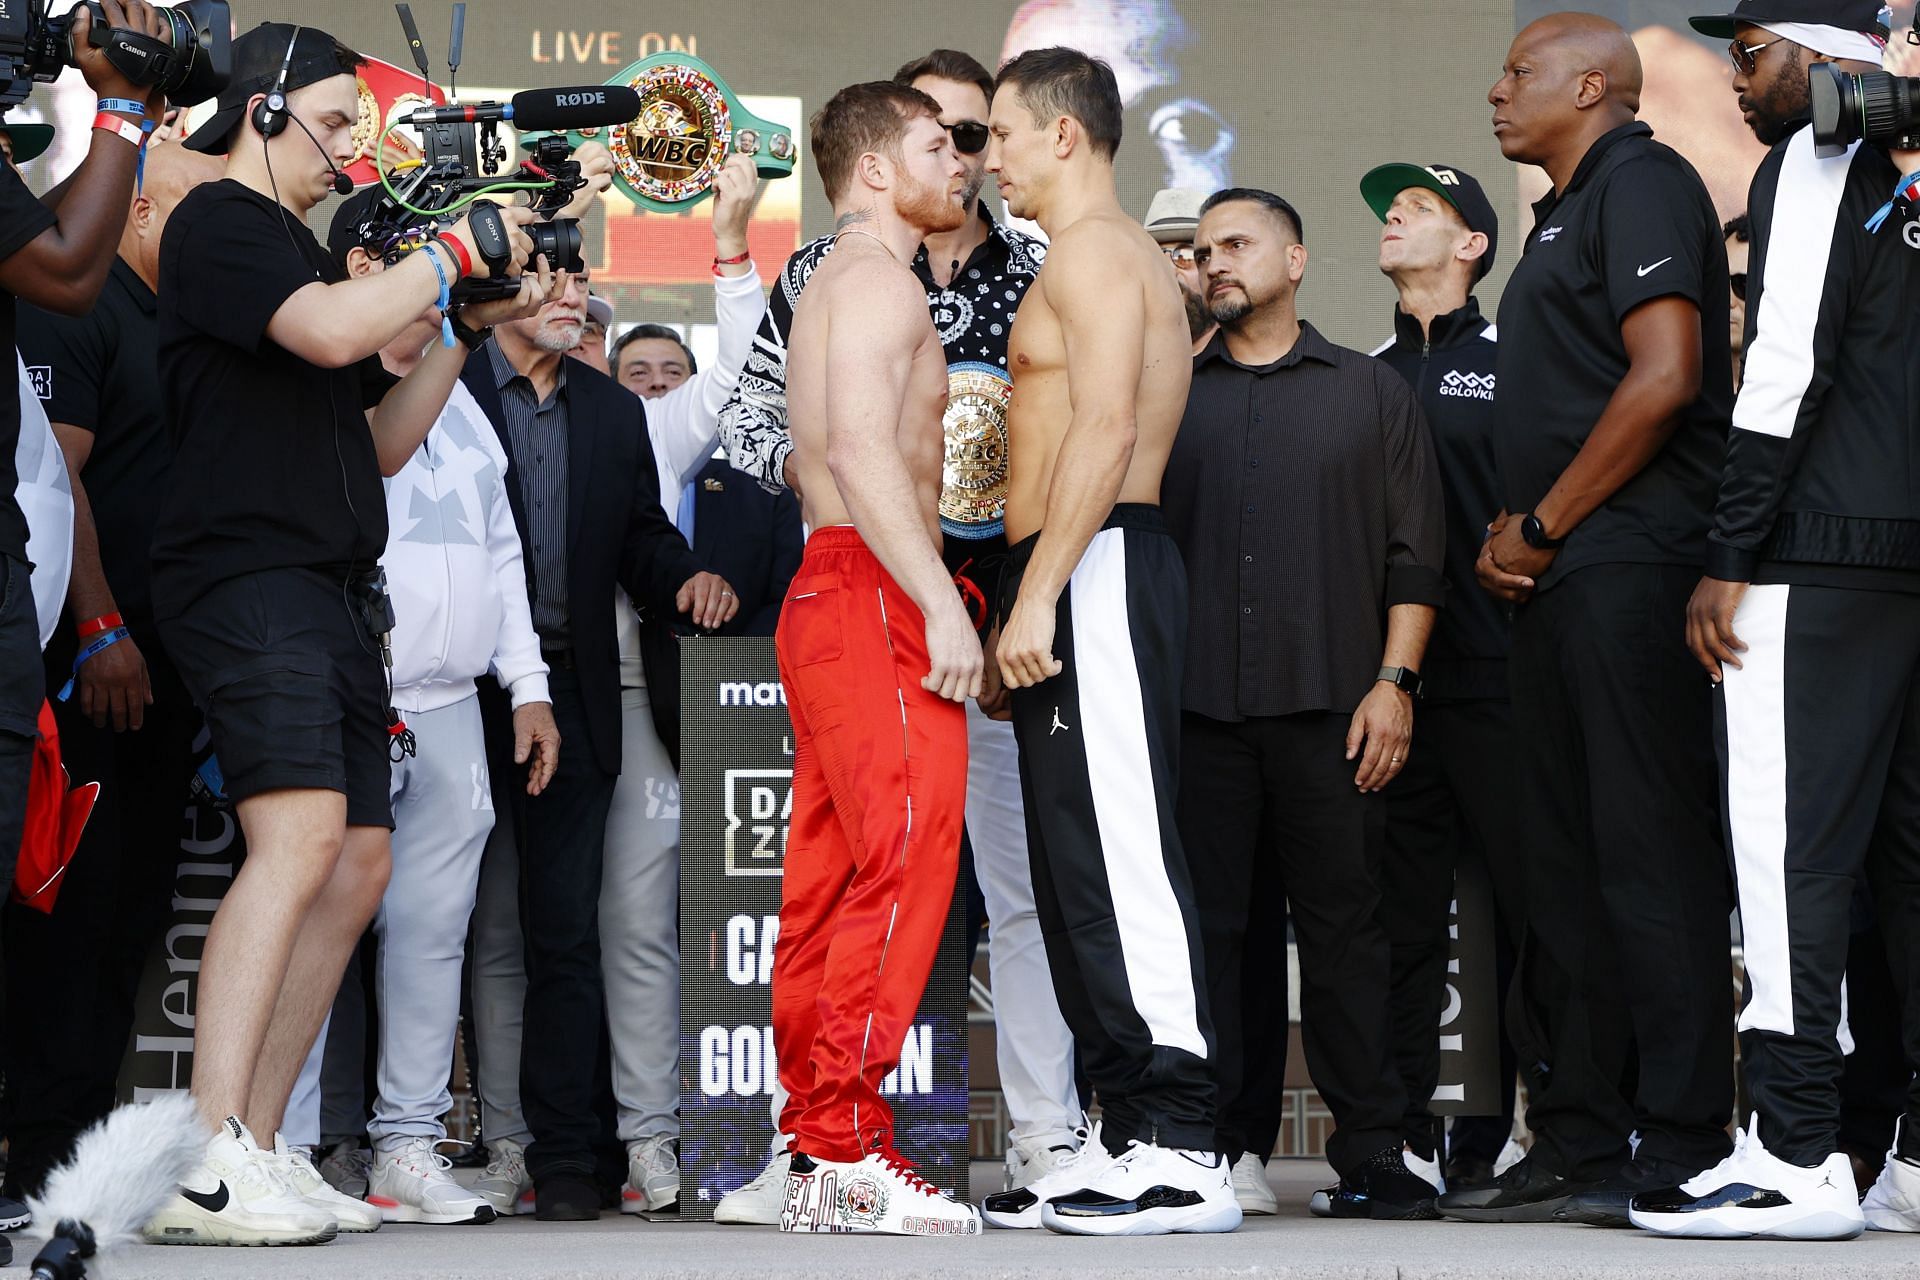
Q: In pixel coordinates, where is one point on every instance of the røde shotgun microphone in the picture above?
(576, 107)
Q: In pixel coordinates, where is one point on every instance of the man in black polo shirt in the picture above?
(128, 723)
(1614, 389)
(272, 526)
(1304, 496)
(1447, 813)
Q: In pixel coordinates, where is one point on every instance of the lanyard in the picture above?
(99, 644)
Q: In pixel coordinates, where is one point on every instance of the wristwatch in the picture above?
(1535, 534)
(472, 339)
(1405, 679)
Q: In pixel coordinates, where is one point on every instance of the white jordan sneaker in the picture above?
(1755, 1193)
(1150, 1191)
(1251, 1187)
(412, 1183)
(506, 1185)
(239, 1196)
(653, 1176)
(759, 1203)
(1893, 1202)
(352, 1213)
(1028, 1162)
(1019, 1208)
(879, 1195)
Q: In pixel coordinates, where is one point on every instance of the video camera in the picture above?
(1877, 106)
(189, 66)
(463, 159)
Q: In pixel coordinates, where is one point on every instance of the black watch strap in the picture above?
(472, 339)
(1405, 679)
(1534, 534)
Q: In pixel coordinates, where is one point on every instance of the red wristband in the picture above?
(105, 622)
(460, 255)
(730, 262)
(122, 126)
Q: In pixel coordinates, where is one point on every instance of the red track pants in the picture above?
(879, 793)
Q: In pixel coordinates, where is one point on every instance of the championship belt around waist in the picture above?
(666, 158)
(973, 477)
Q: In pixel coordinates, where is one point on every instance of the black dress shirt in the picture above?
(1306, 500)
(538, 432)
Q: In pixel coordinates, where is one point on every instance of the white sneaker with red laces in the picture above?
(880, 1195)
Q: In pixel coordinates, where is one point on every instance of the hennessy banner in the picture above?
(736, 795)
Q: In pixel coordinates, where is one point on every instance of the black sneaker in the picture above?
(566, 1197)
(13, 1214)
(1606, 1205)
(1524, 1193)
(1469, 1173)
(1384, 1189)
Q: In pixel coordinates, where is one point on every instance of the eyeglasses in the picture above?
(1180, 255)
(1738, 283)
(969, 137)
(1743, 57)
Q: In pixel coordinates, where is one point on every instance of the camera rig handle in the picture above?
(490, 237)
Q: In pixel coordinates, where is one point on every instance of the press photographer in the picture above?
(55, 252)
(1808, 618)
(265, 583)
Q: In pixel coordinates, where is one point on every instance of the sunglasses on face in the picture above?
(1180, 255)
(969, 137)
(1744, 56)
(1738, 283)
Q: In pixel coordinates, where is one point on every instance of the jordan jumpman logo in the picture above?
(1057, 726)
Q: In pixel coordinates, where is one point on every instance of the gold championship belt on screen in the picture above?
(666, 158)
(973, 479)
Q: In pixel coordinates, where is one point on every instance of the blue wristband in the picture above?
(447, 339)
(126, 106)
(100, 643)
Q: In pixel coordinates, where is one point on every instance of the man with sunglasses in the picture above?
(975, 277)
(1808, 623)
(1172, 218)
(1737, 232)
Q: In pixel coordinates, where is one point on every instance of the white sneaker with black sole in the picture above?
(1893, 1202)
(1755, 1193)
(1028, 1162)
(354, 1215)
(879, 1195)
(1252, 1188)
(760, 1202)
(238, 1196)
(506, 1185)
(414, 1183)
(1150, 1191)
(653, 1176)
(1019, 1208)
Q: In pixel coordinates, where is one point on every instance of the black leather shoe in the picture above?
(1383, 1189)
(1469, 1173)
(566, 1197)
(1524, 1193)
(1607, 1204)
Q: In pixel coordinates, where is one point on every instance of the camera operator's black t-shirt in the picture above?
(22, 217)
(274, 464)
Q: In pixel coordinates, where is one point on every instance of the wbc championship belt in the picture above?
(973, 479)
(666, 158)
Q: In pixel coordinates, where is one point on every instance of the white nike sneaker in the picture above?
(506, 1185)
(760, 1202)
(1893, 1202)
(1019, 1208)
(1150, 1191)
(239, 1196)
(412, 1183)
(346, 1168)
(1755, 1193)
(1251, 1187)
(653, 1176)
(879, 1195)
(1028, 1162)
(352, 1213)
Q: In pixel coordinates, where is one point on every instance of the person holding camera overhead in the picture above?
(1808, 620)
(266, 591)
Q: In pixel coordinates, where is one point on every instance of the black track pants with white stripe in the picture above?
(1819, 738)
(1099, 767)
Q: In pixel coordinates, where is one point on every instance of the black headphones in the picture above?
(270, 116)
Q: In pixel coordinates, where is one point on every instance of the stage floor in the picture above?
(1292, 1245)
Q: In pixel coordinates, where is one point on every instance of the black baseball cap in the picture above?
(309, 54)
(1849, 15)
(1451, 183)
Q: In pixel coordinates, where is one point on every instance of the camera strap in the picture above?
(1905, 193)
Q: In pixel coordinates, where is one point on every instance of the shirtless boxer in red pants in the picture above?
(878, 656)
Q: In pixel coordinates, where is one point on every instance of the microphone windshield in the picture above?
(578, 107)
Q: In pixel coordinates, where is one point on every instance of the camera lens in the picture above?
(559, 240)
(1878, 107)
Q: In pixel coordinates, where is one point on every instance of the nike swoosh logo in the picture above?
(1655, 267)
(211, 1201)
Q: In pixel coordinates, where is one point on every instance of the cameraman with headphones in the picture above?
(54, 252)
(266, 590)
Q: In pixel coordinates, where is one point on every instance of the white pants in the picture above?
(1035, 1049)
(500, 987)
